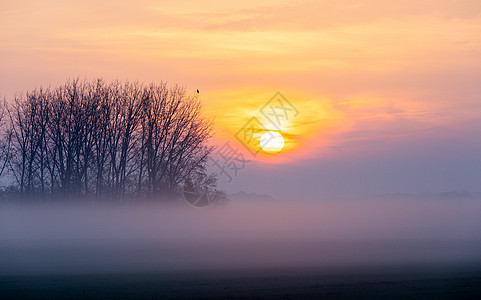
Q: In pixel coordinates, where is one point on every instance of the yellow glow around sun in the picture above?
(272, 142)
(238, 118)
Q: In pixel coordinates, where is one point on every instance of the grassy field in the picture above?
(336, 283)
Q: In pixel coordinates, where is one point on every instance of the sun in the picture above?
(272, 142)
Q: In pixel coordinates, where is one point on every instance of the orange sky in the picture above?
(357, 71)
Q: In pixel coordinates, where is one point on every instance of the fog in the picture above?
(106, 238)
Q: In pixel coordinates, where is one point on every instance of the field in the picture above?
(357, 283)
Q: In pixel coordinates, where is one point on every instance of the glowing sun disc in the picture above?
(272, 142)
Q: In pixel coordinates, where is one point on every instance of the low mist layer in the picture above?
(71, 238)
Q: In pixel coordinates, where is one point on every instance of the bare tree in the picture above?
(93, 138)
(124, 120)
(5, 138)
(174, 136)
(25, 139)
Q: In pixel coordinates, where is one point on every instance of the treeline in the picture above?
(98, 139)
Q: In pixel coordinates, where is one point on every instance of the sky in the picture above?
(385, 96)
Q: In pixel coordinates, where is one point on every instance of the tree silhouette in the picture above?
(91, 138)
